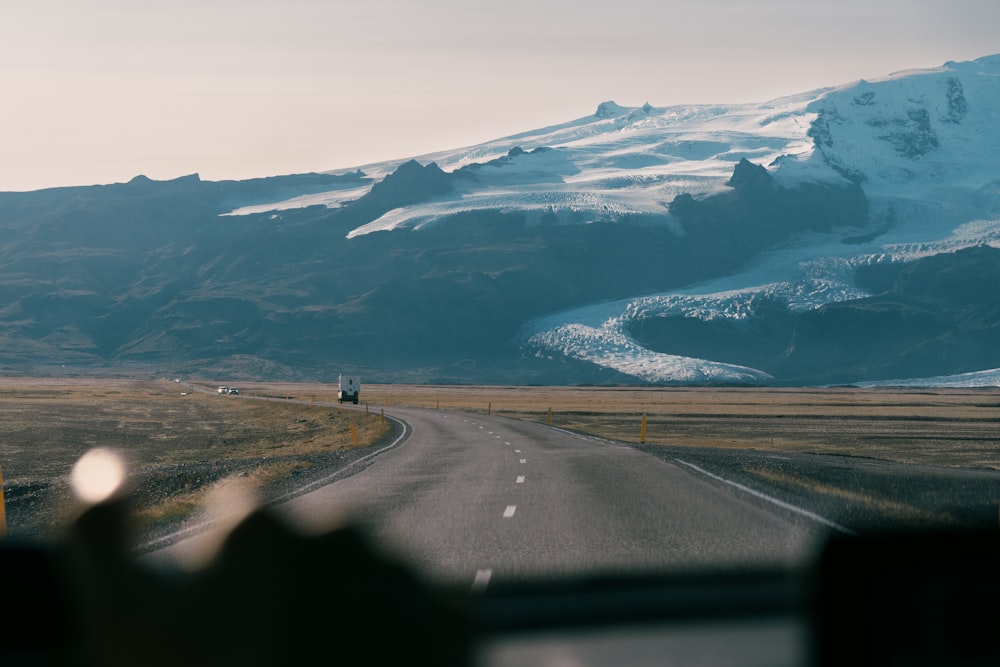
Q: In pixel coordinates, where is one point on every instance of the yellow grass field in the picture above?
(177, 442)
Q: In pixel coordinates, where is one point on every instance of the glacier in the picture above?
(922, 145)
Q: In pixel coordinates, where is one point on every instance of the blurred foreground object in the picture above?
(271, 596)
(915, 599)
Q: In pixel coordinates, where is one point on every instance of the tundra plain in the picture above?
(181, 439)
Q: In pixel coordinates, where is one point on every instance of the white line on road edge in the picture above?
(524, 460)
(167, 540)
(780, 503)
(509, 512)
(481, 581)
(520, 479)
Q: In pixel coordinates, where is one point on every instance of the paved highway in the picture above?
(471, 498)
(476, 501)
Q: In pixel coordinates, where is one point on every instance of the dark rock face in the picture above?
(958, 106)
(935, 316)
(913, 136)
(758, 213)
(147, 275)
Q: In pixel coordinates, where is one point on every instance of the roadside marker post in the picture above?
(489, 408)
(366, 408)
(642, 431)
(383, 415)
(3, 510)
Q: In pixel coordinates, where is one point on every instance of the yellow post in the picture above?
(489, 408)
(366, 408)
(354, 434)
(548, 417)
(642, 432)
(3, 510)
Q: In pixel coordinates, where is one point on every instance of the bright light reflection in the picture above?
(98, 475)
(226, 504)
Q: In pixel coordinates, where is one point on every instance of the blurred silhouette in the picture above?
(271, 596)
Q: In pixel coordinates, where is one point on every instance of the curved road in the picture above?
(471, 498)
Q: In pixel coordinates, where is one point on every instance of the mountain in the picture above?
(848, 234)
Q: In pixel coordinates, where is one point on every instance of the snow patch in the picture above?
(986, 378)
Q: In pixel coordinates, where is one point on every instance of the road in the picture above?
(474, 499)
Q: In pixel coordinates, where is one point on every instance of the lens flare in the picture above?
(98, 475)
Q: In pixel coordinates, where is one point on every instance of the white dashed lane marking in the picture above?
(520, 479)
(509, 512)
(481, 581)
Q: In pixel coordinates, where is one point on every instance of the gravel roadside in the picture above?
(864, 495)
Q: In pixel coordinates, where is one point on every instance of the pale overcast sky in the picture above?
(99, 91)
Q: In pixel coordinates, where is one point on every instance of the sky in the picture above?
(99, 91)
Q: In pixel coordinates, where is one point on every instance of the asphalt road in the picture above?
(476, 502)
(471, 498)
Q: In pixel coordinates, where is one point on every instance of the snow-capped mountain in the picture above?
(923, 147)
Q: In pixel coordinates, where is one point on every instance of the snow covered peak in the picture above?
(914, 126)
(923, 145)
(621, 162)
(906, 128)
(609, 110)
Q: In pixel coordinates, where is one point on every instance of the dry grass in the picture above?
(891, 508)
(47, 424)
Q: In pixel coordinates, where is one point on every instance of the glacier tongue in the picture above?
(923, 146)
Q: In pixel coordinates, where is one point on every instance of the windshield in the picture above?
(527, 294)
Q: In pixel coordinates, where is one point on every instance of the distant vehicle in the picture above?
(349, 389)
(234, 391)
(223, 390)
